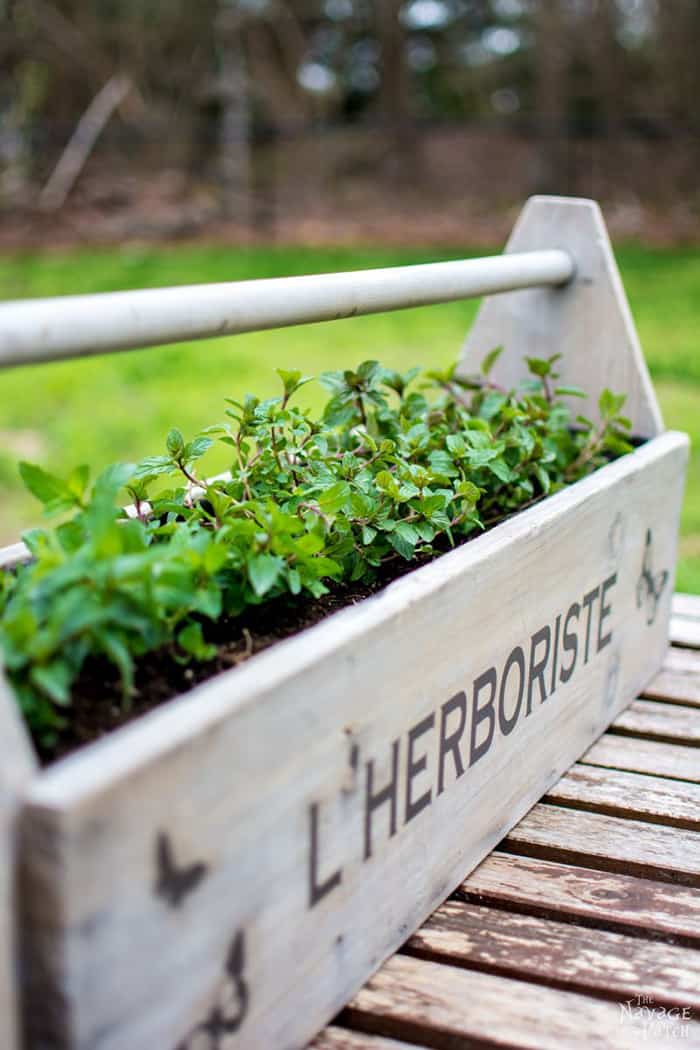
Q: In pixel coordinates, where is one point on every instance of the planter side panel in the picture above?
(588, 322)
(229, 871)
(17, 766)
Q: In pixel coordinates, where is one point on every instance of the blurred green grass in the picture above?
(119, 407)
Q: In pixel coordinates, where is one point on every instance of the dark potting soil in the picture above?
(97, 705)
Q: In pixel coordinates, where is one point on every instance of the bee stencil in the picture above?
(650, 585)
(218, 1030)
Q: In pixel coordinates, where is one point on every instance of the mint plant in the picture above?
(394, 468)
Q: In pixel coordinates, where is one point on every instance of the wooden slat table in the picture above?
(582, 929)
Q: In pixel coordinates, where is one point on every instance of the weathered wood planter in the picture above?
(228, 870)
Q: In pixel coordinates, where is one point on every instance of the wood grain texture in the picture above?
(608, 843)
(336, 1038)
(681, 661)
(263, 778)
(678, 681)
(447, 1007)
(588, 322)
(658, 721)
(645, 756)
(559, 954)
(675, 687)
(17, 767)
(622, 794)
(587, 896)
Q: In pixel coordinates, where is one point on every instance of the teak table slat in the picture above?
(582, 929)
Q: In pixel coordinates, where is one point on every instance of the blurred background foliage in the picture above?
(120, 407)
(289, 136)
(284, 117)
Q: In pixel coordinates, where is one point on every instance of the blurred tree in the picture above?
(213, 79)
(395, 89)
(552, 66)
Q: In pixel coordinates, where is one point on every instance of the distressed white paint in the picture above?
(588, 321)
(17, 766)
(72, 326)
(229, 772)
(13, 555)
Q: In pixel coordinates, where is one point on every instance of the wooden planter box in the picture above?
(227, 871)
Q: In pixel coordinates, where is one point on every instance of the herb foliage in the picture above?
(393, 469)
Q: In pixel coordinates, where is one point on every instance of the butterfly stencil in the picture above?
(650, 585)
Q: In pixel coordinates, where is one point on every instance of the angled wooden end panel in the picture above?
(588, 321)
(17, 766)
(240, 861)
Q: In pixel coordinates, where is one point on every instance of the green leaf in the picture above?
(442, 464)
(456, 444)
(492, 404)
(196, 449)
(339, 412)
(610, 404)
(264, 571)
(481, 457)
(430, 504)
(425, 530)
(54, 681)
(292, 380)
(368, 534)
(77, 482)
(616, 444)
(208, 601)
(404, 538)
(369, 370)
(490, 360)
(333, 381)
(111, 480)
(467, 490)
(215, 557)
(46, 487)
(175, 443)
(335, 498)
(386, 482)
(543, 478)
(152, 466)
(191, 640)
(538, 366)
(500, 468)
(117, 650)
(71, 536)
